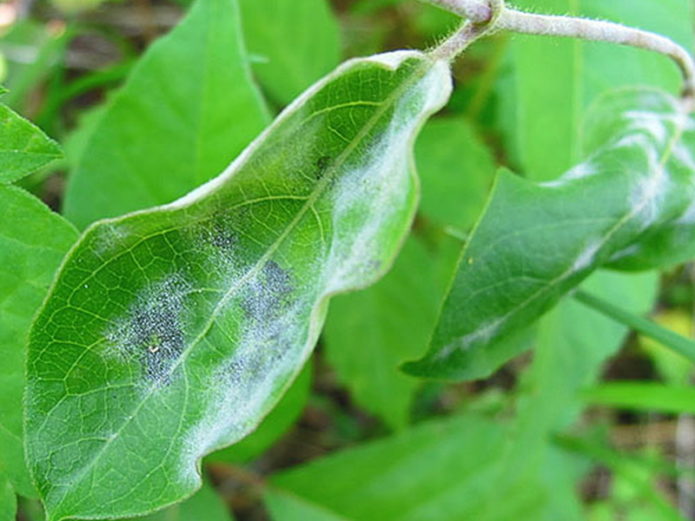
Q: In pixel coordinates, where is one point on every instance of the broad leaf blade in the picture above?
(535, 242)
(24, 148)
(33, 240)
(170, 333)
(645, 396)
(187, 110)
(295, 42)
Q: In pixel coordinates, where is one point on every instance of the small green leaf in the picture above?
(536, 242)
(24, 148)
(297, 42)
(33, 240)
(188, 109)
(8, 500)
(643, 396)
(170, 333)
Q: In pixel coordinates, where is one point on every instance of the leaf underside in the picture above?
(170, 333)
(629, 206)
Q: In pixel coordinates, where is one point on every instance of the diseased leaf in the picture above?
(536, 242)
(273, 426)
(170, 333)
(446, 470)
(204, 505)
(188, 109)
(33, 240)
(24, 148)
(295, 42)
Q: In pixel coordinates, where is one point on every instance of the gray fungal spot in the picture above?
(153, 331)
(269, 293)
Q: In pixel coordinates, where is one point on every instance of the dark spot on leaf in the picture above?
(323, 163)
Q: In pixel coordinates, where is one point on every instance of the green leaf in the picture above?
(170, 333)
(288, 507)
(446, 470)
(535, 242)
(33, 240)
(296, 41)
(204, 505)
(188, 108)
(643, 396)
(574, 73)
(24, 148)
(8, 500)
(370, 333)
(273, 426)
(456, 170)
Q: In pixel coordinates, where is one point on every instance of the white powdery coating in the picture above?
(483, 334)
(587, 256)
(152, 331)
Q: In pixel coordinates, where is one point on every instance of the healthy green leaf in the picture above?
(8, 500)
(24, 148)
(273, 426)
(188, 108)
(170, 333)
(446, 470)
(535, 242)
(643, 396)
(33, 240)
(297, 42)
(289, 507)
(204, 505)
(456, 170)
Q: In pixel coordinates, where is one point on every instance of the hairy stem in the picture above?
(600, 31)
(485, 16)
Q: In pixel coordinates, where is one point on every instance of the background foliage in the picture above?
(593, 424)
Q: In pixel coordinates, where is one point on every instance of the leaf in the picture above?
(370, 333)
(574, 73)
(644, 396)
(170, 333)
(535, 242)
(457, 171)
(33, 240)
(445, 470)
(273, 426)
(288, 507)
(8, 500)
(24, 148)
(297, 42)
(188, 108)
(204, 505)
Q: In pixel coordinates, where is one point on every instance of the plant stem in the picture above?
(674, 341)
(600, 31)
(477, 11)
(485, 16)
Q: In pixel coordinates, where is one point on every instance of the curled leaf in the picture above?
(630, 205)
(171, 332)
